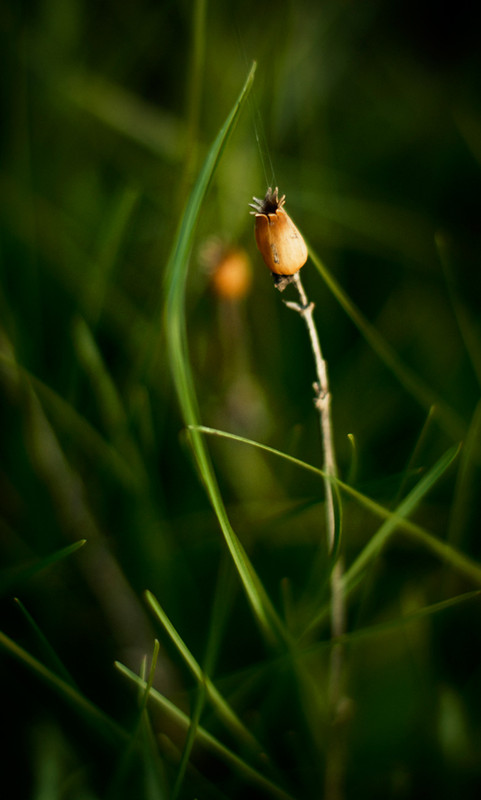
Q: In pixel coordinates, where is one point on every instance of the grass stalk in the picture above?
(448, 417)
(322, 402)
(178, 353)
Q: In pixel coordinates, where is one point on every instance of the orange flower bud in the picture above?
(231, 277)
(280, 243)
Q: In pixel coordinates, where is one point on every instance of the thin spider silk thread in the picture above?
(259, 132)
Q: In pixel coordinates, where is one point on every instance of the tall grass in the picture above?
(165, 577)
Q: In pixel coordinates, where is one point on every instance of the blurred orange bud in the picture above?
(280, 243)
(232, 275)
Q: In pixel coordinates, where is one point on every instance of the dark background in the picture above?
(368, 116)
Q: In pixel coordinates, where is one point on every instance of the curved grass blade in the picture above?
(189, 740)
(373, 631)
(457, 560)
(47, 648)
(412, 616)
(153, 765)
(175, 322)
(114, 231)
(109, 401)
(207, 740)
(353, 574)
(124, 112)
(194, 97)
(17, 575)
(467, 484)
(452, 422)
(404, 509)
(224, 711)
(93, 714)
(144, 695)
(67, 418)
(141, 738)
(467, 325)
(86, 436)
(410, 466)
(354, 462)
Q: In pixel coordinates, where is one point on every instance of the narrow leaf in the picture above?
(175, 321)
(46, 647)
(98, 718)
(15, 576)
(224, 711)
(413, 384)
(457, 560)
(207, 740)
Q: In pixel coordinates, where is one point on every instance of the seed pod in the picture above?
(280, 243)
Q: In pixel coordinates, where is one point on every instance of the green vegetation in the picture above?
(165, 578)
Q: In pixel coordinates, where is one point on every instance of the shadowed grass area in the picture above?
(165, 578)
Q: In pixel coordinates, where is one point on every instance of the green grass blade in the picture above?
(150, 748)
(412, 616)
(466, 566)
(150, 679)
(207, 740)
(412, 383)
(181, 371)
(450, 555)
(446, 553)
(354, 462)
(223, 709)
(373, 631)
(404, 509)
(194, 96)
(467, 324)
(189, 740)
(99, 720)
(467, 484)
(111, 407)
(14, 576)
(86, 436)
(113, 234)
(410, 468)
(68, 419)
(50, 654)
(154, 772)
(140, 738)
(123, 111)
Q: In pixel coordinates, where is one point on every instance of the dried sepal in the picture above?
(270, 204)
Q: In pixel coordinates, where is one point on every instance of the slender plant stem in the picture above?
(322, 400)
(323, 405)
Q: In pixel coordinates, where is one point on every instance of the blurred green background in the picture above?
(368, 117)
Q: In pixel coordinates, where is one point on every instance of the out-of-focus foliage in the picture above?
(368, 117)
